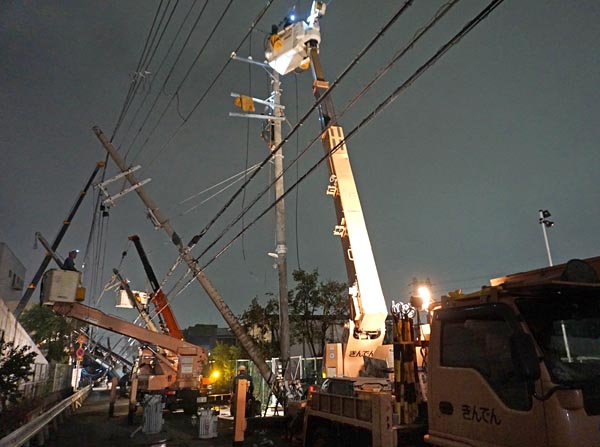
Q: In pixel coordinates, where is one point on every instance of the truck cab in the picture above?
(518, 363)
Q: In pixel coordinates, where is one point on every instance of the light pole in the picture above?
(545, 223)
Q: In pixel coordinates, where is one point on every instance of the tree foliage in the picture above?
(51, 332)
(262, 324)
(317, 309)
(223, 358)
(15, 366)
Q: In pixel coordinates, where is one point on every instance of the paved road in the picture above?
(90, 426)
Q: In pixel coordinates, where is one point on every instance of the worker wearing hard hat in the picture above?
(242, 374)
(69, 263)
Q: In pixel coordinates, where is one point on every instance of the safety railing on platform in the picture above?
(39, 427)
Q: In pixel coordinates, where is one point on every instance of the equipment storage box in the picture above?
(60, 286)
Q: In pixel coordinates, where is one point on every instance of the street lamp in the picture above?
(545, 223)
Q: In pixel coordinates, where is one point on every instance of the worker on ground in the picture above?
(242, 374)
(69, 263)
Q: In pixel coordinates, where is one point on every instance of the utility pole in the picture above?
(162, 222)
(274, 121)
(281, 247)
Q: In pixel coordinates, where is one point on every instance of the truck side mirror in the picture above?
(525, 356)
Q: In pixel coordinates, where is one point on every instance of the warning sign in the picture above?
(79, 353)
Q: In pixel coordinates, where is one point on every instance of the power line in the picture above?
(364, 122)
(166, 55)
(246, 36)
(215, 79)
(208, 39)
(142, 73)
(239, 179)
(394, 95)
(132, 85)
(442, 11)
(284, 140)
(187, 40)
(234, 176)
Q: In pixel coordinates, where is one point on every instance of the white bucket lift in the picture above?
(62, 286)
(124, 302)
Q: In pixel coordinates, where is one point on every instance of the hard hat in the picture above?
(242, 368)
(74, 251)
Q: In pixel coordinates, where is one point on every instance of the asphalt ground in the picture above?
(90, 426)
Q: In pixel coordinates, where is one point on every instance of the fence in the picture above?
(47, 379)
(300, 371)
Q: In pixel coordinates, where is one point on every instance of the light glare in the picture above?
(425, 294)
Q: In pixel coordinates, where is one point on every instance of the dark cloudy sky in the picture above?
(451, 175)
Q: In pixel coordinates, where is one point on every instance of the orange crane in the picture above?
(158, 298)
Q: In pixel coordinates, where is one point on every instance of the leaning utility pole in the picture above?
(163, 222)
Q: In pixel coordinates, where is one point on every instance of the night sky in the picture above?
(451, 175)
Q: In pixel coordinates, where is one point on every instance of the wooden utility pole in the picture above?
(163, 222)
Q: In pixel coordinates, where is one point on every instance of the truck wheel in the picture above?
(189, 400)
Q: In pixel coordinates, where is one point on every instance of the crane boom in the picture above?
(287, 50)
(57, 240)
(158, 298)
(190, 358)
(98, 318)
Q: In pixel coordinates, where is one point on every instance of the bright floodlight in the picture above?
(425, 294)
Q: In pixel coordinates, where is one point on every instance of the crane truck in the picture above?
(514, 364)
(170, 326)
(165, 364)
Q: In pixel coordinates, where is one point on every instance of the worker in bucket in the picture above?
(69, 263)
(242, 374)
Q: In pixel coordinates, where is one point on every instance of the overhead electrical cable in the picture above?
(196, 238)
(368, 118)
(212, 196)
(284, 140)
(138, 68)
(210, 188)
(442, 11)
(213, 82)
(166, 108)
(145, 70)
(246, 36)
(168, 77)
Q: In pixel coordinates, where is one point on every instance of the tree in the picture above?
(262, 324)
(316, 309)
(223, 358)
(52, 333)
(15, 366)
